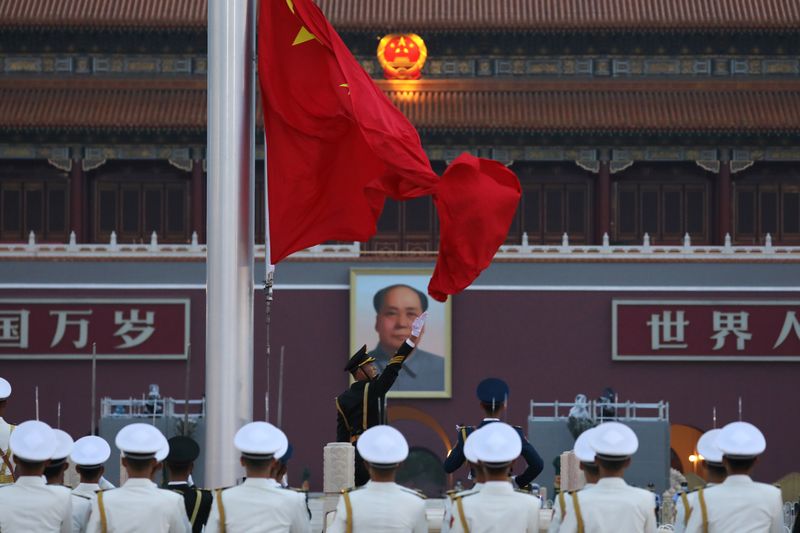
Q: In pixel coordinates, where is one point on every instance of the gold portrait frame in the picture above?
(363, 283)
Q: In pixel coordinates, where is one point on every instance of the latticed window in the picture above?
(136, 200)
(34, 197)
(557, 198)
(665, 201)
(768, 208)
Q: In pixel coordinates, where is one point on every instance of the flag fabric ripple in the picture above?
(337, 148)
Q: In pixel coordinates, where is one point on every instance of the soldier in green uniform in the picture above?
(362, 405)
(183, 452)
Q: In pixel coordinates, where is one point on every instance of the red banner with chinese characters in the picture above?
(124, 328)
(706, 330)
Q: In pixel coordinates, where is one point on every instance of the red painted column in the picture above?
(77, 191)
(603, 201)
(724, 201)
(198, 221)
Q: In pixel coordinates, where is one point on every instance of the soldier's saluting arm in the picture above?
(387, 378)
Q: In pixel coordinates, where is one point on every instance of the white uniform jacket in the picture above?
(6, 477)
(447, 516)
(612, 506)
(739, 504)
(257, 505)
(30, 506)
(81, 511)
(381, 507)
(558, 511)
(497, 507)
(137, 506)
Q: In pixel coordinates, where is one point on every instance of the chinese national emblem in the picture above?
(402, 56)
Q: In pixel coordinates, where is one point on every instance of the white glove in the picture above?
(418, 324)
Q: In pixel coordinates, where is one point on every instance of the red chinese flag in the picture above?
(337, 147)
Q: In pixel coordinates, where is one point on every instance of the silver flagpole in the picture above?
(229, 292)
(279, 421)
(186, 385)
(269, 279)
(94, 388)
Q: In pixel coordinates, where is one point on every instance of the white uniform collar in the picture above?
(497, 487)
(737, 479)
(259, 482)
(380, 485)
(611, 482)
(139, 482)
(31, 481)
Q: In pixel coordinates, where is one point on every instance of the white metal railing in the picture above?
(565, 251)
(601, 412)
(152, 408)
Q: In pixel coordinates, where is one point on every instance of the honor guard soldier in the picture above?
(493, 396)
(586, 457)
(715, 474)
(54, 472)
(496, 507)
(381, 506)
(183, 452)
(738, 503)
(362, 405)
(89, 455)
(138, 505)
(30, 505)
(257, 504)
(6, 464)
(611, 506)
(448, 518)
(54, 475)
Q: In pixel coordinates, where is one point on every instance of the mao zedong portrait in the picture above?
(396, 306)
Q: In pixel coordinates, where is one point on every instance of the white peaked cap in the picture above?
(5, 389)
(382, 445)
(33, 441)
(163, 452)
(582, 449)
(741, 440)
(64, 444)
(469, 446)
(258, 440)
(498, 443)
(140, 441)
(613, 441)
(90, 451)
(707, 446)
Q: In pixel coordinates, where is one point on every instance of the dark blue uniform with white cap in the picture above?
(493, 392)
